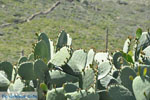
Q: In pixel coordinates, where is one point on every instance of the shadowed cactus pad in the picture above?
(31, 57)
(126, 72)
(22, 59)
(71, 87)
(41, 51)
(58, 78)
(118, 60)
(62, 40)
(39, 69)
(7, 67)
(43, 36)
(26, 71)
(119, 92)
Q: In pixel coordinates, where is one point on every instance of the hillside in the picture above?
(85, 20)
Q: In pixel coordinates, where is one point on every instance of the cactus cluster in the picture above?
(62, 73)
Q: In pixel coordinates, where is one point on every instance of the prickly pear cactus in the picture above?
(43, 36)
(140, 69)
(142, 43)
(87, 78)
(22, 59)
(78, 61)
(31, 57)
(69, 40)
(40, 68)
(62, 40)
(61, 57)
(141, 88)
(17, 86)
(116, 73)
(90, 57)
(126, 46)
(118, 60)
(7, 67)
(104, 69)
(119, 92)
(102, 57)
(67, 74)
(108, 80)
(26, 71)
(4, 82)
(83, 95)
(125, 75)
(71, 87)
(58, 78)
(56, 94)
(41, 51)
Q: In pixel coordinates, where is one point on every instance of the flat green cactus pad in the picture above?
(141, 88)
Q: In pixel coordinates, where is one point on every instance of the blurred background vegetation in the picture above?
(85, 20)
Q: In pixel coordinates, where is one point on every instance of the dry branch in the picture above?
(33, 15)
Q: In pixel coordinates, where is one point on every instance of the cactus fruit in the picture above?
(140, 69)
(69, 74)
